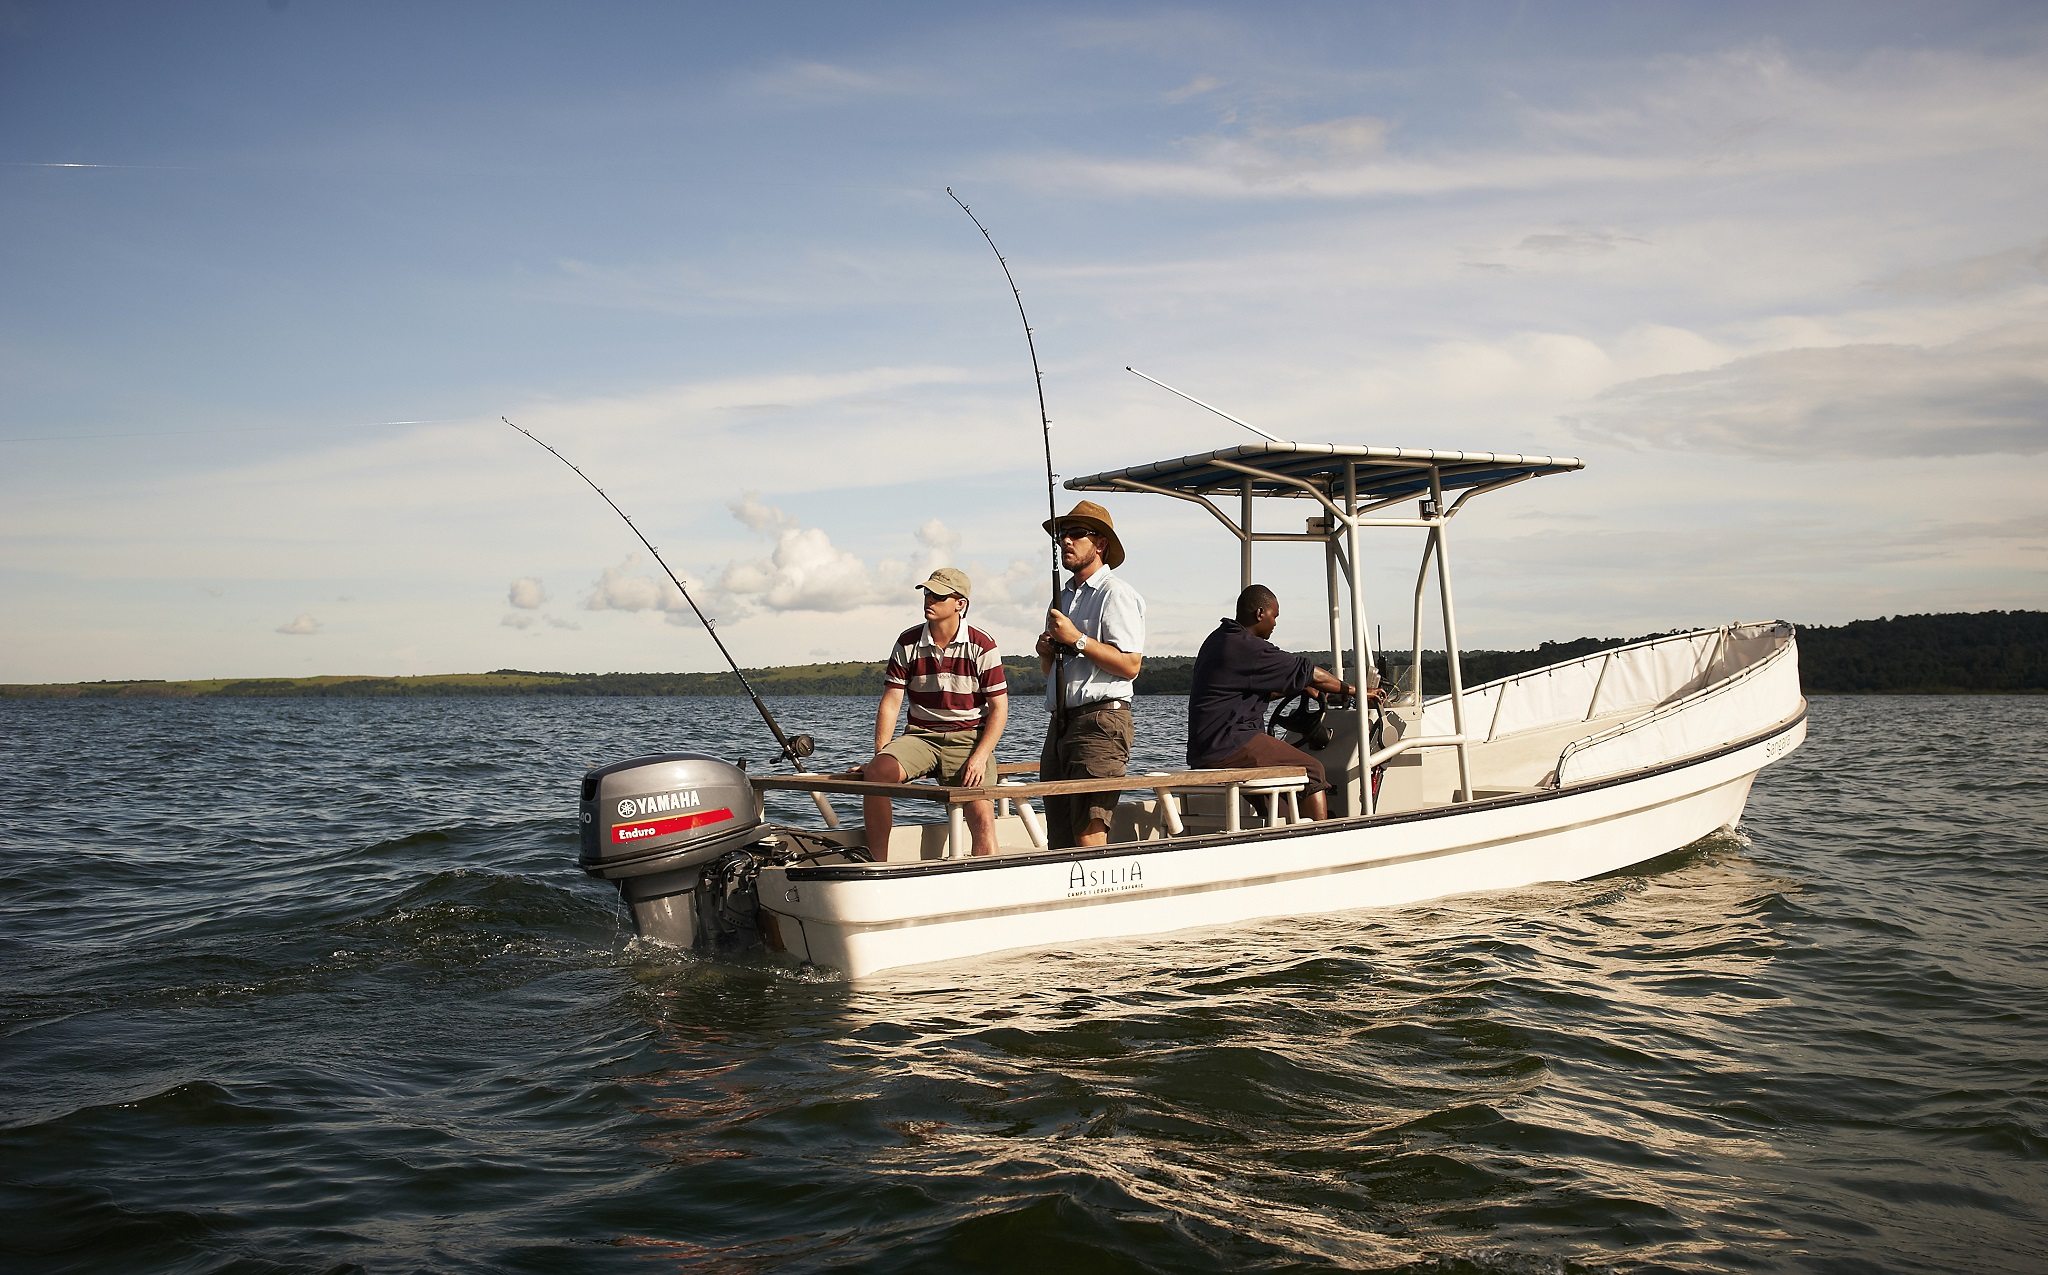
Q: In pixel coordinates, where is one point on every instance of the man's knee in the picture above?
(882, 769)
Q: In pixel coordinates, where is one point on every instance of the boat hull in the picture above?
(865, 919)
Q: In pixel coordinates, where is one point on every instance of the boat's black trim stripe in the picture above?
(1167, 845)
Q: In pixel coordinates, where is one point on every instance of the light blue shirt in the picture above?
(1105, 609)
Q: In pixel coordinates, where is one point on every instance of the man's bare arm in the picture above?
(885, 716)
(976, 772)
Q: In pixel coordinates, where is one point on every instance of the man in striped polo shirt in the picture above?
(952, 675)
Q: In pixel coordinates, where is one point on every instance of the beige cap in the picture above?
(948, 580)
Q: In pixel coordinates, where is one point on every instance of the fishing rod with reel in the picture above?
(1052, 513)
(793, 748)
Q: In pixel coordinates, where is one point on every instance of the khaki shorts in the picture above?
(922, 753)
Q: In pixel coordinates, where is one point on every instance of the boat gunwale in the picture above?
(1177, 780)
(1126, 849)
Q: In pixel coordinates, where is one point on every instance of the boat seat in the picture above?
(1276, 802)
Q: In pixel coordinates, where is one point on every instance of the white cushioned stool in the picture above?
(1276, 801)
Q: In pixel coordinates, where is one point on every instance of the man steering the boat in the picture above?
(1095, 635)
(952, 676)
(1237, 672)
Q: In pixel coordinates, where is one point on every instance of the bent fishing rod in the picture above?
(794, 747)
(1052, 512)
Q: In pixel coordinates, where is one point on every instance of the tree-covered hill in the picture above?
(1982, 652)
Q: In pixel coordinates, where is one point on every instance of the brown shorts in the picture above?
(1264, 750)
(1095, 745)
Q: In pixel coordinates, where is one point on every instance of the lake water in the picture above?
(317, 985)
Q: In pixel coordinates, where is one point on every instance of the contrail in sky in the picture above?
(249, 429)
(27, 163)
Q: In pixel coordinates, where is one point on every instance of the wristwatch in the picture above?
(1081, 644)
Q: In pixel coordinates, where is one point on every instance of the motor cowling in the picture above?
(651, 824)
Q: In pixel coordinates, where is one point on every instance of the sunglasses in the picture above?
(1076, 533)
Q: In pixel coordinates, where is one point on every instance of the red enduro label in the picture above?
(622, 833)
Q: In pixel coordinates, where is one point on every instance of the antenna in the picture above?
(1211, 407)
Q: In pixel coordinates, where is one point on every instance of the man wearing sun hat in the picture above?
(1098, 624)
(952, 676)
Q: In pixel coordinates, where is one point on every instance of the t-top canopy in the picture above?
(1384, 473)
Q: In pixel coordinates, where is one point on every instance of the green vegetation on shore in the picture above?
(1982, 652)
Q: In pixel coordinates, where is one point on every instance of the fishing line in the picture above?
(794, 747)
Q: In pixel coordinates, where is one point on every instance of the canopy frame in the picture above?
(1355, 488)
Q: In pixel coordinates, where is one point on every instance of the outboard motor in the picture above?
(652, 824)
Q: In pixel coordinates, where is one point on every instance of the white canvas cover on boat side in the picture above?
(1723, 713)
(1638, 682)
(1624, 679)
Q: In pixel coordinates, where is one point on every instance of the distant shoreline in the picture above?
(1986, 652)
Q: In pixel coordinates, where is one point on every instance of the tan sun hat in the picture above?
(1095, 518)
(946, 581)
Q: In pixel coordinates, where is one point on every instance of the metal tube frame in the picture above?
(1344, 561)
(1456, 665)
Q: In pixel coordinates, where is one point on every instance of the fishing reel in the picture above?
(794, 749)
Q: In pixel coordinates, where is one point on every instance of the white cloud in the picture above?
(941, 545)
(518, 621)
(1265, 155)
(301, 625)
(620, 589)
(1756, 107)
(807, 82)
(1199, 86)
(1577, 242)
(1016, 598)
(526, 594)
(1985, 394)
(756, 515)
(804, 572)
(1975, 276)
(1750, 110)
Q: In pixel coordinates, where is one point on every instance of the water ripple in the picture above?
(316, 985)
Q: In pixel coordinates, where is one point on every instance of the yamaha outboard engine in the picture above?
(652, 824)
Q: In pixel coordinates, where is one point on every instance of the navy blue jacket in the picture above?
(1236, 673)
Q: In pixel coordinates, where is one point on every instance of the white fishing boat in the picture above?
(1562, 773)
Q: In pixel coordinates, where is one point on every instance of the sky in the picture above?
(272, 273)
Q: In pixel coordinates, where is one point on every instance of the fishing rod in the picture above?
(794, 747)
(1052, 513)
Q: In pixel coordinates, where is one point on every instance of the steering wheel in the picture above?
(1301, 714)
